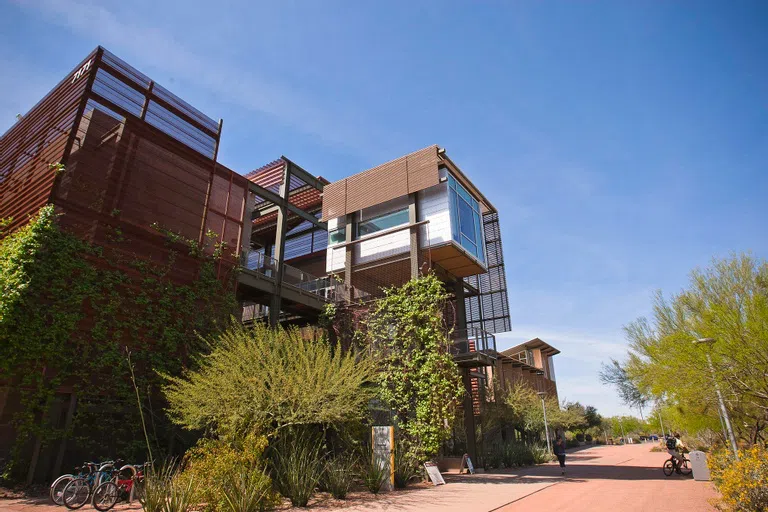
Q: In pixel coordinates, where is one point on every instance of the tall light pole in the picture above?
(623, 435)
(542, 394)
(709, 342)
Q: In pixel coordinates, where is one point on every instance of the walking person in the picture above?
(559, 450)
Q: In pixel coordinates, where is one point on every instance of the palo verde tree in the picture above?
(727, 302)
(256, 379)
(416, 375)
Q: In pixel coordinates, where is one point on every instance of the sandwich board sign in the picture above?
(466, 462)
(434, 473)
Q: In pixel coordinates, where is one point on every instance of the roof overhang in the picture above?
(459, 175)
(535, 343)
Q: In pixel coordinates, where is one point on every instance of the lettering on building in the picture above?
(82, 71)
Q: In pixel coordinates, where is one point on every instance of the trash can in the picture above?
(699, 465)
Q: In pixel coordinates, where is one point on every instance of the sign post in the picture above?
(383, 442)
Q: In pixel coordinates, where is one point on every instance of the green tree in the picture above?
(255, 379)
(728, 302)
(417, 377)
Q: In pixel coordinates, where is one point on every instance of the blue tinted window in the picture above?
(382, 222)
(466, 219)
(337, 235)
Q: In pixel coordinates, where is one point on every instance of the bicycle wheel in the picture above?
(669, 467)
(56, 492)
(76, 493)
(685, 468)
(105, 496)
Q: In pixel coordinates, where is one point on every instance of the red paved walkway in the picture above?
(604, 478)
(617, 478)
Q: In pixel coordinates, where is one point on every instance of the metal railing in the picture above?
(473, 339)
(329, 288)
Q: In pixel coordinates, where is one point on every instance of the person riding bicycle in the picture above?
(676, 448)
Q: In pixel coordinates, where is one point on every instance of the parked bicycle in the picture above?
(126, 484)
(99, 471)
(672, 466)
(78, 491)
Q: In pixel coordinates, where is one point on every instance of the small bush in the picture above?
(743, 484)
(338, 475)
(372, 473)
(247, 490)
(588, 438)
(572, 443)
(406, 467)
(518, 454)
(297, 464)
(210, 463)
(164, 491)
(494, 457)
(580, 437)
(540, 454)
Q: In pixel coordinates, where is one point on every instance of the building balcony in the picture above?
(473, 347)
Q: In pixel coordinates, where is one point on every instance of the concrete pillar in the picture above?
(349, 255)
(413, 216)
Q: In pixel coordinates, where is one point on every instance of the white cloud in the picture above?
(577, 366)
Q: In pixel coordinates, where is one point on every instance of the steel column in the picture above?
(282, 226)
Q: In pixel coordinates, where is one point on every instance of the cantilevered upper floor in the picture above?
(421, 201)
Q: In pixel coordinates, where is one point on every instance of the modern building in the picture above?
(142, 162)
(531, 363)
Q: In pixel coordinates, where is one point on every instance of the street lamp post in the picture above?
(542, 394)
(723, 411)
(621, 424)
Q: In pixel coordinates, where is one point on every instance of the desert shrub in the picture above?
(571, 443)
(588, 438)
(297, 463)
(580, 437)
(518, 454)
(742, 483)
(371, 472)
(494, 457)
(247, 490)
(406, 467)
(540, 454)
(339, 474)
(164, 491)
(256, 378)
(212, 461)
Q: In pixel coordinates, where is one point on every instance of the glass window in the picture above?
(337, 236)
(466, 219)
(386, 221)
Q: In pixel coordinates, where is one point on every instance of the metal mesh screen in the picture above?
(490, 309)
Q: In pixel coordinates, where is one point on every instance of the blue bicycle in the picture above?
(56, 490)
(78, 491)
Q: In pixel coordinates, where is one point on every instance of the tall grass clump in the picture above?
(297, 464)
(164, 492)
(372, 472)
(339, 474)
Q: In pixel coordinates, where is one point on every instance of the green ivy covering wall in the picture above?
(69, 309)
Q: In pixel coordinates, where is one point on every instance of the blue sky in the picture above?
(624, 143)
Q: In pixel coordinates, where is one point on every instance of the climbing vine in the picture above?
(418, 379)
(68, 310)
